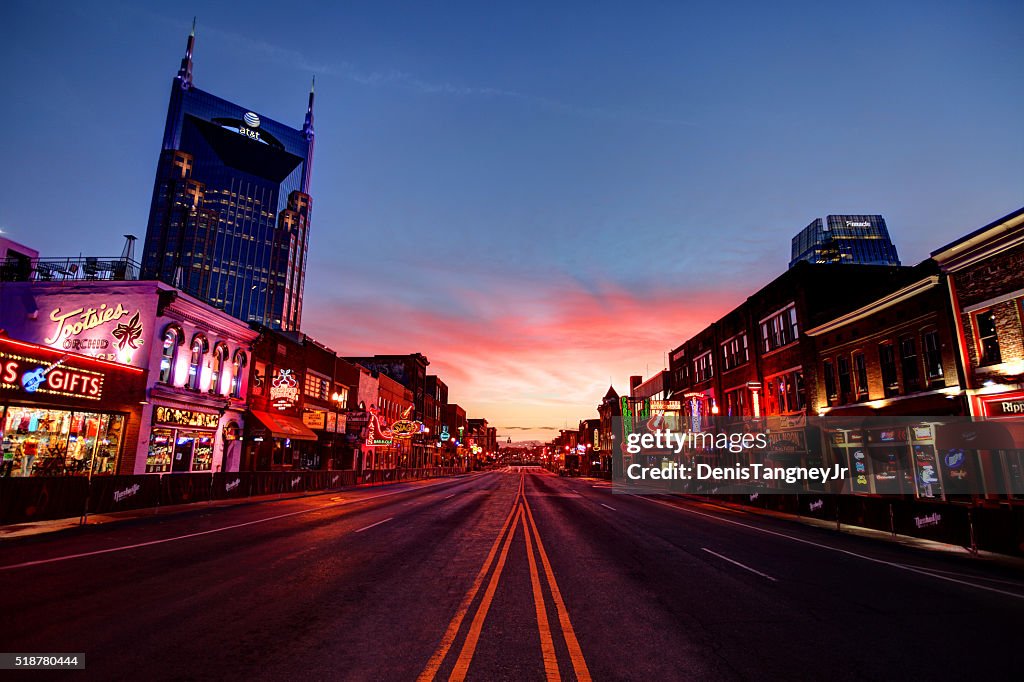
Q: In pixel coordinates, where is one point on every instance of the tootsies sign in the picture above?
(33, 376)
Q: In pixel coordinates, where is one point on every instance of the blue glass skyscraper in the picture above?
(229, 221)
(861, 239)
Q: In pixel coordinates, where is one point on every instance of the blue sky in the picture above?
(542, 197)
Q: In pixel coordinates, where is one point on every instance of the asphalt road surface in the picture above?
(509, 575)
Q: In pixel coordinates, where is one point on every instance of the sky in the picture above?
(543, 198)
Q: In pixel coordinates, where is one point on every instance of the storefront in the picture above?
(65, 414)
(891, 459)
(278, 441)
(181, 440)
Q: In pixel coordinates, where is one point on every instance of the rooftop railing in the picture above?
(74, 269)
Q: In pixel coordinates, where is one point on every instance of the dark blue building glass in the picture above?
(861, 239)
(229, 221)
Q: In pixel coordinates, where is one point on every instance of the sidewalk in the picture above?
(846, 529)
(860, 531)
(30, 528)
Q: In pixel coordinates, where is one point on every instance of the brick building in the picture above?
(986, 287)
(757, 360)
(896, 355)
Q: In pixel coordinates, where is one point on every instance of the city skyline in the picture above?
(528, 319)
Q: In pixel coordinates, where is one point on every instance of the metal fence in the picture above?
(73, 269)
(40, 498)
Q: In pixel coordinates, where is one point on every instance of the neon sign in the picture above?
(284, 389)
(376, 436)
(21, 373)
(128, 336)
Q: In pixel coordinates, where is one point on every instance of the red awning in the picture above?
(282, 426)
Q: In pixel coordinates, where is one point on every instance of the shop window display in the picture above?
(179, 451)
(44, 442)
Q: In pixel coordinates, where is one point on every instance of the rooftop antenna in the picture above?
(128, 257)
(129, 247)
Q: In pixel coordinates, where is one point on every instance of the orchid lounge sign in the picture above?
(106, 330)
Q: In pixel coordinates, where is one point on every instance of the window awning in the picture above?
(282, 426)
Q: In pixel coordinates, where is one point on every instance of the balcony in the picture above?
(75, 269)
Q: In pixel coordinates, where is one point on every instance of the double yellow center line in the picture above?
(519, 514)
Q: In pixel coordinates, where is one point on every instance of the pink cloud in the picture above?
(531, 355)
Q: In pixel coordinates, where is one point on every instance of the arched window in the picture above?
(239, 363)
(169, 353)
(195, 364)
(220, 358)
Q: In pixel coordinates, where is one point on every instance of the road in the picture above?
(507, 575)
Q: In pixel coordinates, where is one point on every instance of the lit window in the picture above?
(932, 356)
(168, 355)
(703, 367)
(238, 369)
(220, 357)
(988, 338)
(780, 329)
(860, 375)
(195, 365)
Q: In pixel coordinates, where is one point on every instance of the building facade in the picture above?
(985, 271)
(65, 413)
(196, 360)
(230, 213)
(758, 361)
(894, 356)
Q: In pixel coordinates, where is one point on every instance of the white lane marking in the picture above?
(1015, 583)
(206, 532)
(607, 507)
(449, 497)
(733, 561)
(372, 525)
(847, 552)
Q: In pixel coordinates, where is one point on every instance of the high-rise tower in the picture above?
(229, 221)
(861, 239)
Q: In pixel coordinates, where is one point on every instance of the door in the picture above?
(183, 453)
